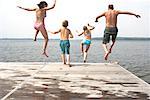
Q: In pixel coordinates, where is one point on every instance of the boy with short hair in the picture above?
(65, 34)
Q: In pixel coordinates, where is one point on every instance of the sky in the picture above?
(18, 23)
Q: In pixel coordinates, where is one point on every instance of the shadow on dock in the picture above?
(53, 92)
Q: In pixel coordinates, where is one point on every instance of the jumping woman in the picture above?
(40, 18)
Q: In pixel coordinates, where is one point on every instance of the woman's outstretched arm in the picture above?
(51, 7)
(27, 9)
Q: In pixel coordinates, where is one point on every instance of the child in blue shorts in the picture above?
(86, 41)
(65, 34)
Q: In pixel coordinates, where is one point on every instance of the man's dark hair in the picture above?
(42, 4)
(65, 23)
(111, 6)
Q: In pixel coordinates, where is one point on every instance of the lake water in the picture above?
(134, 55)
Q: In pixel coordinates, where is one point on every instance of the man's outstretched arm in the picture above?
(129, 13)
(103, 14)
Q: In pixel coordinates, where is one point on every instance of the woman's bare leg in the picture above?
(37, 31)
(44, 33)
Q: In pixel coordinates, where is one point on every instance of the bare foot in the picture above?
(35, 39)
(44, 53)
(69, 65)
(106, 55)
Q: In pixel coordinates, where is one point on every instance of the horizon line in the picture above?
(94, 38)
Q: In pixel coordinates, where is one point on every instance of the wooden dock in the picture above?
(54, 81)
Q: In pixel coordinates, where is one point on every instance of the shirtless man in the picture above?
(39, 24)
(111, 27)
(65, 34)
(86, 41)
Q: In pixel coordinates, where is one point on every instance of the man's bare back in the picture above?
(111, 18)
